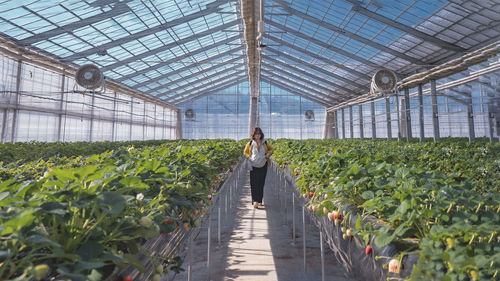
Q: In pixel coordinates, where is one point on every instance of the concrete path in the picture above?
(256, 244)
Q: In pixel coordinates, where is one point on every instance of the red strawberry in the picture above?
(336, 215)
(368, 250)
(169, 221)
(296, 174)
(311, 194)
(127, 278)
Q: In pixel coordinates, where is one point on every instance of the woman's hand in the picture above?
(268, 155)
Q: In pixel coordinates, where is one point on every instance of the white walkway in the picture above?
(256, 244)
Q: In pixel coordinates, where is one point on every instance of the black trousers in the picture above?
(257, 180)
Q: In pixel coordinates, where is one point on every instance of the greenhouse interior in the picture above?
(132, 140)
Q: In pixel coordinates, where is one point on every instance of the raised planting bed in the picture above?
(85, 221)
(438, 200)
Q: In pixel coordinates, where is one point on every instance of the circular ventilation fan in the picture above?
(309, 115)
(384, 81)
(189, 115)
(89, 76)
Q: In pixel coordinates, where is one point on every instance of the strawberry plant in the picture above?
(81, 218)
(436, 199)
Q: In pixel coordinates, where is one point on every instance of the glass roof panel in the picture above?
(143, 42)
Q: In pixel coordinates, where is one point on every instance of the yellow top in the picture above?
(248, 150)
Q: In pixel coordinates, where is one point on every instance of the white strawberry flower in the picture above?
(139, 196)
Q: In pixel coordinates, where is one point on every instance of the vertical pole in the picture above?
(252, 122)
(113, 133)
(4, 124)
(336, 128)
(16, 102)
(322, 255)
(361, 129)
(209, 242)
(470, 119)
(374, 127)
(178, 125)
(408, 115)
(491, 123)
(144, 126)
(225, 205)
(61, 102)
(92, 112)
(343, 124)
(351, 123)
(230, 197)
(421, 112)
(131, 116)
(398, 119)
(190, 253)
(218, 225)
(435, 119)
(164, 125)
(388, 118)
(304, 235)
(486, 83)
(293, 219)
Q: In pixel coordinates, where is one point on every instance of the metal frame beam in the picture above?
(212, 8)
(197, 73)
(172, 93)
(187, 67)
(316, 56)
(397, 25)
(285, 6)
(170, 46)
(318, 96)
(205, 87)
(118, 9)
(315, 68)
(176, 59)
(305, 80)
(293, 91)
(322, 44)
(215, 90)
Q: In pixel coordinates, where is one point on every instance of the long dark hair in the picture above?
(257, 130)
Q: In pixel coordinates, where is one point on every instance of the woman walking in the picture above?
(258, 152)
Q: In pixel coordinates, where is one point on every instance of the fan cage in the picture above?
(89, 76)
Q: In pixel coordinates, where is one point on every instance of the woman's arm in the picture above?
(269, 150)
(248, 150)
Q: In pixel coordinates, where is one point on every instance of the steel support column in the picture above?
(407, 115)
(113, 134)
(398, 118)
(361, 129)
(470, 120)
(91, 130)
(374, 127)
(388, 118)
(351, 123)
(254, 112)
(178, 127)
(343, 123)
(131, 116)
(16, 102)
(61, 100)
(421, 113)
(336, 125)
(435, 118)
